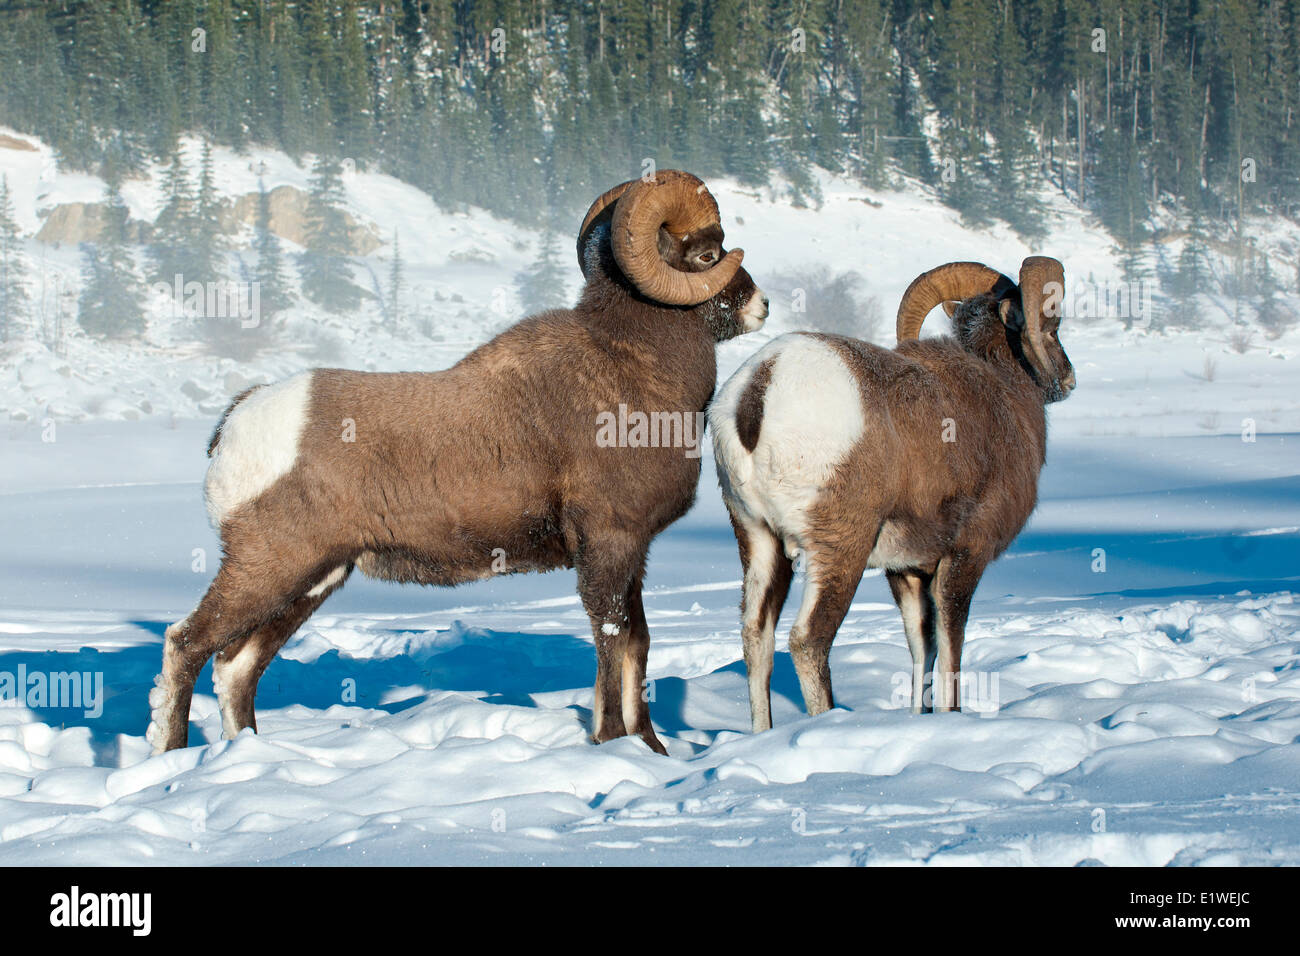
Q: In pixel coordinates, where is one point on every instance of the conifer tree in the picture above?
(274, 292)
(1155, 116)
(324, 265)
(110, 304)
(542, 286)
(14, 302)
(396, 283)
(172, 248)
(208, 241)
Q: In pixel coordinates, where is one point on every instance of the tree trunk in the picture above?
(1241, 198)
(1108, 85)
(1065, 139)
(1081, 107)
(1205, 126)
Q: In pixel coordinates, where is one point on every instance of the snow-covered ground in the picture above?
(1147, 714)
(1140, 641)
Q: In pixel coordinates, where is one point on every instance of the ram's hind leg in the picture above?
(240, 600)
(767, 573)
(240, 665)
(911, 591)
(828, 592)
(951, 591)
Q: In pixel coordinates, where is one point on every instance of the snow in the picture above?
(1136, 655)
(411, 725)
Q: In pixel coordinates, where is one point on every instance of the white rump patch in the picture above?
(259, 444)
(812, 418)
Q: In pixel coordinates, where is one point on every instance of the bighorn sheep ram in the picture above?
(451, 476)
(923, 461)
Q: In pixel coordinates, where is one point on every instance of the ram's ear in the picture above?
(589, 250)
(1012, 317)
(950, 307)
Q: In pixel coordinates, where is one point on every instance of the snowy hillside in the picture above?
(1141, 638)
(462, 269)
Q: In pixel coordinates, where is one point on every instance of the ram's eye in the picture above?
(708, 257)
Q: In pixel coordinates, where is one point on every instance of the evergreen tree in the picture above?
(172, 248)
(396, 283)
(1188, 280)
(208, 240)
(1192, 277)
(274, 292)
(110, 303)
(324, 266)
(1013, 160)
(224, 82)
(14, 302)
(289, 116)
(1275, 313)
(1013, 96)
(541, 287)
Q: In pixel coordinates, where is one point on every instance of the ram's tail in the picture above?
(216, 432)
(736, 417)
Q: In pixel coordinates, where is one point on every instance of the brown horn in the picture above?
(601, 211)
(1037, 276)
(953, 282)
(680, 203)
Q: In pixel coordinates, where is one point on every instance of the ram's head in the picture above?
(665, 235)
(1030, 312)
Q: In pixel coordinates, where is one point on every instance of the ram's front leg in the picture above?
(605, 575)
(611, 643)
(636, 708)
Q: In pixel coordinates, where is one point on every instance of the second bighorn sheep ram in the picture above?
(923, 460)
(439, 477)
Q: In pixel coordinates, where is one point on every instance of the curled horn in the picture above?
(679, 203)
(601, 211)
(952, 282)
(1042, 287)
